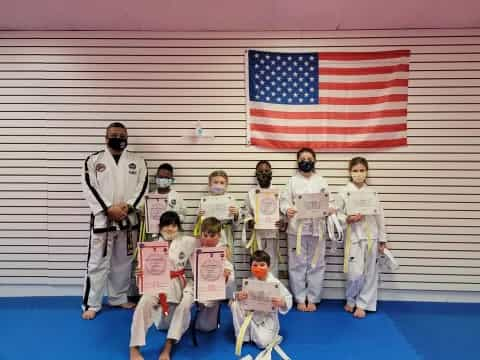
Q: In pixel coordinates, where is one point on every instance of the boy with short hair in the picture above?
(264, 327)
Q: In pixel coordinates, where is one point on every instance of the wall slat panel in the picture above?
(59, 90)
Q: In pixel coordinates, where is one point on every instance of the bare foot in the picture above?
(311, 307)
(359, 313)
(302, 307)
(135, 353)
(167, 350)
(127, 305)
(89, 315)
(348, 308)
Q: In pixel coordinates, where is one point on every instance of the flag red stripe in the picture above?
(348, 130)
(364, 70)
(363, 85)
(303, 115)
(278, 144)
(363, 100)
(347, 56)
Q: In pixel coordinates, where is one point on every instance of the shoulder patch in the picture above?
(100, 167)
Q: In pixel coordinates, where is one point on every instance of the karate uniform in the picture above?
(148, 310)
(180, 299)
(111, 244)
(266, 239)
(362, 275)
(264, 327)
(177, 204)
(305, 275)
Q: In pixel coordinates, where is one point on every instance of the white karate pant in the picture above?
(305, 280)
(268, 243)
(367, 298)
(261, 330)
(111, 271)
(148, 312)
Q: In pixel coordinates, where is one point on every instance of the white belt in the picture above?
(335, 231)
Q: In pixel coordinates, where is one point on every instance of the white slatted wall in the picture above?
(58, 91)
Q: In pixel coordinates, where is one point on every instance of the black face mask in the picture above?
(117, 143)
(264, 178)
(306, 165)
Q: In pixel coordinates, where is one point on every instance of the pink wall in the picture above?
(241, 15)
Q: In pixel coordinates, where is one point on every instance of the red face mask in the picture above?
(259, 272)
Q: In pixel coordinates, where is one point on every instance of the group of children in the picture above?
(307, 247)
(307, 238)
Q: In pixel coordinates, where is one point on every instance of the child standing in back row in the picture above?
(217, 186)
(306, 237)
(365, 237)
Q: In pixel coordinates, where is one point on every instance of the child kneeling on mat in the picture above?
(173, 314)
(262, 328)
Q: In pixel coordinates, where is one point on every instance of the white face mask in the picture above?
(217, 189)
(168, 236)
(163, 183)
(358, 177)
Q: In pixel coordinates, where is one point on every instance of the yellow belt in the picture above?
(141, 238)
(318, 249)
(266, 354)
(197, 229)
(241, 333)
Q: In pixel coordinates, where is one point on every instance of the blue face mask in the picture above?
(306, 165)
(163, 183)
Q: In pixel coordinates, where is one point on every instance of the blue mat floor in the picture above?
(51, 328)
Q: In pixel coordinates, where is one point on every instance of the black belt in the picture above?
(114, 228)
(108, 229)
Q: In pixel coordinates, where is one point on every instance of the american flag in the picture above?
(329, 100)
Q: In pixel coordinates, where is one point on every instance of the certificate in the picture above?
(312, 206)
(267, 209)
(208, 268)
(154, 266)
(155, 206)
(362, 202)
(217, 206)
(260, 295)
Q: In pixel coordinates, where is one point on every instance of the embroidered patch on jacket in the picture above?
(132, 166)
(100, 167)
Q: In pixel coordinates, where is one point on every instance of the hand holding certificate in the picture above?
(267, 209)
(217, 206)
(312, 206)
(154, 275)
(155, 206)
(362, 202)
(260, 295)
(208, 273)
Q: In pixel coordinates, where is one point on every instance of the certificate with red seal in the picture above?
(154, 269)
